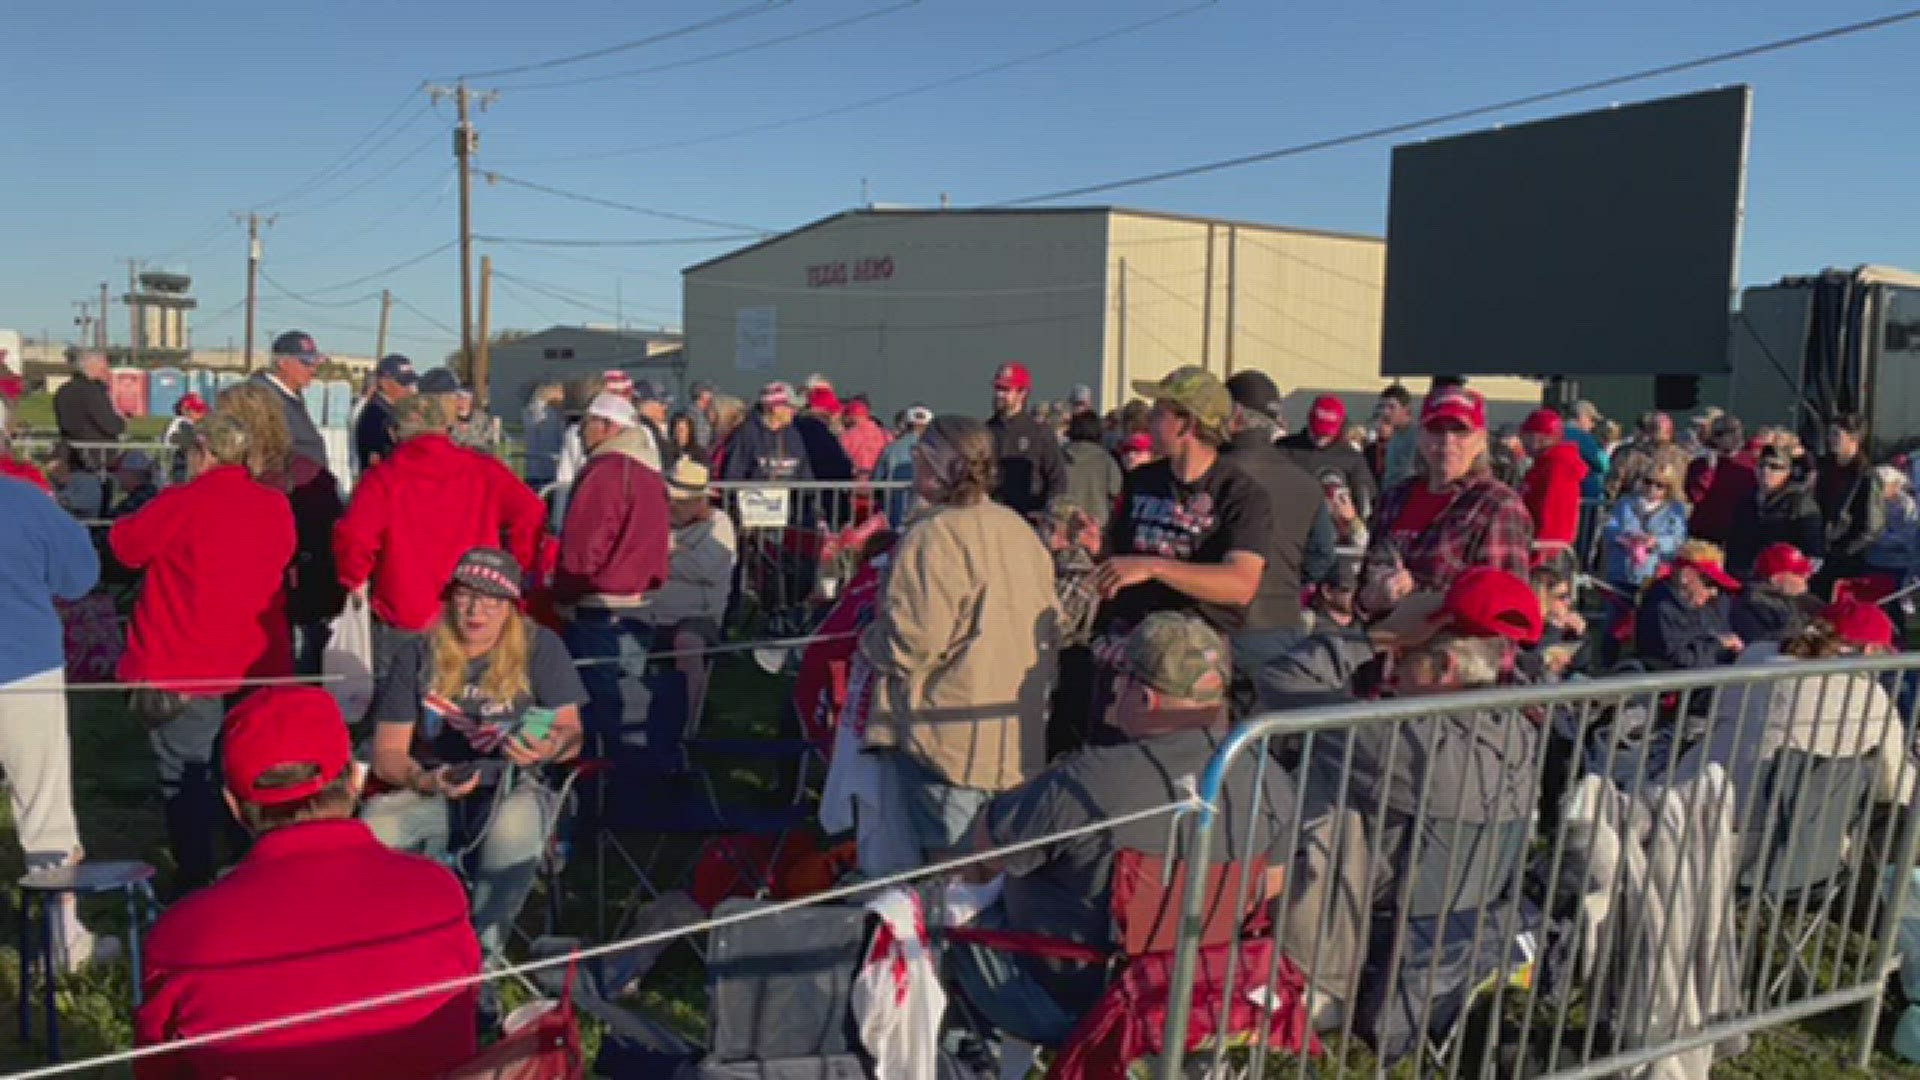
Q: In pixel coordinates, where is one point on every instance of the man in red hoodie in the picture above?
(613, 552)
(416, 512)
(1551, 489)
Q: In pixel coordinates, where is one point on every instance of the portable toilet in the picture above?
(130, 391)
(205, 382)
(165, 387)
(227, 380)
(340, 404)
(315, 396)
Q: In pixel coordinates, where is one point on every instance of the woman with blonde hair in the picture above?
(269, 443)
(1685, 618)
(212, 614)
(1646, 528)
(464, 720)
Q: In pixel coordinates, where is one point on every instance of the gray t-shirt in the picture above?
(470, 725)
(1065, 890)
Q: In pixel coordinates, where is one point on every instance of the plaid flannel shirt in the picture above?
(1486, 524)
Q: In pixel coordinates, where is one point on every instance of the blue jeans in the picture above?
(504, 862)
(186, 749)
(1004, 991)
(600, 635)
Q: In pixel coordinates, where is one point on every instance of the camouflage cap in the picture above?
(1181, 657)
(1196, 390)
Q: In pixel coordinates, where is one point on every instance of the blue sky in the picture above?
(134, 129)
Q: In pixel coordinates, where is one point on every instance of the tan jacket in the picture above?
(964, 647)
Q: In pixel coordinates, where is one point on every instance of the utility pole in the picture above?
(483, 360)
(466, 142)
(253, 273)
(89, 331)
(135, 309)
(100, 320)
(386, 313)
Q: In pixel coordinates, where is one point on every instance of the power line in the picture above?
(339, 164)
(402, 301)
(309, 301)
(723, 54)
(432, 140)
(1371, 134)
(897, 95)
(384, 271)
(554, 293)
(626, 46)
(524, 296)
(612, 204)
(652, 241)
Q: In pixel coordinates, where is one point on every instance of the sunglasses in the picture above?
(1773, 467)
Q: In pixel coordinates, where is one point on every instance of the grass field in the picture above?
(118, 803)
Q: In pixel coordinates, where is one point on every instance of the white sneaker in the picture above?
(86, 949)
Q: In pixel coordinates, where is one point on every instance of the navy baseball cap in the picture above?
(439, 381)
(299, 345)
(398, 368)
(648, 390)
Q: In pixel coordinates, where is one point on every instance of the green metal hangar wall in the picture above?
(922, 305)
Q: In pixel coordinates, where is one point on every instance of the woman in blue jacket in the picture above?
(1645, 530)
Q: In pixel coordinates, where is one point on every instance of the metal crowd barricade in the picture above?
(1573, 880)
(798, 542)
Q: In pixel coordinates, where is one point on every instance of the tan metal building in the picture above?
(922, 305)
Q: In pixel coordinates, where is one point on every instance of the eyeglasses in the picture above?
(470, 600)
(1773, 467)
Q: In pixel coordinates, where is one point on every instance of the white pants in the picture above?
(35, 752)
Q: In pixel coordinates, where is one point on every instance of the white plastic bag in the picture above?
(348, 661)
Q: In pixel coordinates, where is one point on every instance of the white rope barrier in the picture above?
(179, 685)
(447, 986)
(724, 648)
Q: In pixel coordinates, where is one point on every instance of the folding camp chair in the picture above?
(649, 783)
(1801, 822)
(1127, 1024)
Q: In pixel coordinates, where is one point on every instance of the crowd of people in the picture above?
(1072, 610)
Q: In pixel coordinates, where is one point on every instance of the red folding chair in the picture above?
(1128, 1022)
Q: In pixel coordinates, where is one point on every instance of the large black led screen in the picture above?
(1601, 243)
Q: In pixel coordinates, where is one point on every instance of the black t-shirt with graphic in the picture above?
(1223, 511)
(468, 726)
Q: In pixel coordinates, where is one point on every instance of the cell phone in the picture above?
(535, 724)
(488, 770)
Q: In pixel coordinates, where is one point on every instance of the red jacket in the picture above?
(24, 470)
(316, 915)
(1552, 493)
(613, 547)
(1733, 488)
(213, 608)
(415, 513)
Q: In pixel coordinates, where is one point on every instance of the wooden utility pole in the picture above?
(483, 360)
(466, 142)
(89, 330)
(386, 314)
(253, 273)
(100, 321)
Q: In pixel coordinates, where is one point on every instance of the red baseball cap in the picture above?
(283, 725)
(857, 410)
(616, 382)
(1712, 571)
(1860, 623)
(1489, 602)
(1012, 377)
(1141, 443)
(823, 399)
(193, 404)
(1328, 416)
(1544, 422)
(1781, 558)
(1455, 405)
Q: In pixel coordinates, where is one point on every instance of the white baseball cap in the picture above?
(614, 409)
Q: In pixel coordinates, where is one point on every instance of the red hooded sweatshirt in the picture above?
(414, 514)
(1552, 493)
(213, 608)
